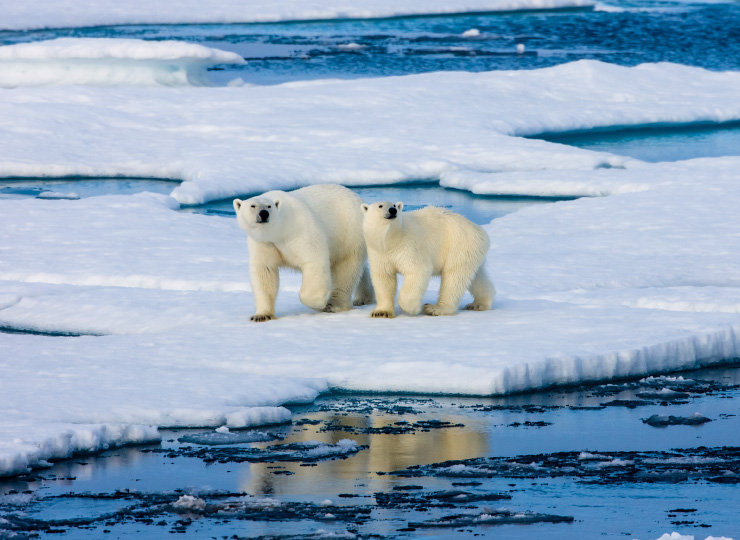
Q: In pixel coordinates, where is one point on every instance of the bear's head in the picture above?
(258, 217)
(382, 214)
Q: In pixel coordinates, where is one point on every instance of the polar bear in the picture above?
(421, 244)
(317, 230)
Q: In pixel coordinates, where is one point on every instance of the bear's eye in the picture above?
(253, 206)
(380, 206)
(269, 206)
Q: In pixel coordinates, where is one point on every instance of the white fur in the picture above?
(421, 244)
(316, 230)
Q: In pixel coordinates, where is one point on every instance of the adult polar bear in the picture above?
(420, 244)
(317, 230)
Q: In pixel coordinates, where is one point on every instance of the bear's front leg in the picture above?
(384, 282)
(414, 287)
(316, 285)
(265, 284)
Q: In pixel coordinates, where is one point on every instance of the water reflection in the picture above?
(386, 452)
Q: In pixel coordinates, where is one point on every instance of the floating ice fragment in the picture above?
(657, 420)
(588, 456)
(350, 47)
(473, 32)
(520, 48)
(188, 502)
(57, 195)
(219, 438)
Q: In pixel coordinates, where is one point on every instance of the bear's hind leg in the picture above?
(364, 294)
(451, 289)
(344, 276)
(482, 290)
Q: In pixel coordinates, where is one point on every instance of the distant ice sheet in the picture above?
(51, 14)
(109, 62)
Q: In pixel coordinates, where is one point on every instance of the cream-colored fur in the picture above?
(421, 244)
(316, 230)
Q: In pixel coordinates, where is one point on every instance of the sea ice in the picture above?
(109, 62)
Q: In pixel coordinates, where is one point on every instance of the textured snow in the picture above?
(44, 14)
(146, 309)
(109, 62)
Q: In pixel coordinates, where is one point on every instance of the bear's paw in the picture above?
(262, 318)
(382, 314)
(476, 307)
(335, 308)
(435, 310)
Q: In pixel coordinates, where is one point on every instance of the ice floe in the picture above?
(109, 62)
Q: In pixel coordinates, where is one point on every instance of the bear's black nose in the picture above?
(392, 211)
(264, 214)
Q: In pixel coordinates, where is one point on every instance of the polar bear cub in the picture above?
(421, 244)
(316, 230)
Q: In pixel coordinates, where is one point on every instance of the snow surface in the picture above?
(642, 280)
(109, 62)
(252, 139)
(31, 14)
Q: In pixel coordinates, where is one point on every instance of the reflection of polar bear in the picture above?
(317, 230)
(421, 244)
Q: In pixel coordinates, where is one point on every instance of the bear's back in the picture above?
(337, 211)
(450, 229)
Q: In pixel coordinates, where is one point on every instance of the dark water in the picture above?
(578, 463)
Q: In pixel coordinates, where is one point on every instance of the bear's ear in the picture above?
(399, 205)
(364, 207)
(277, 203)
(237, 204)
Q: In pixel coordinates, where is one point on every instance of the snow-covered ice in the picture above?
(640, 278)
(32, 14)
